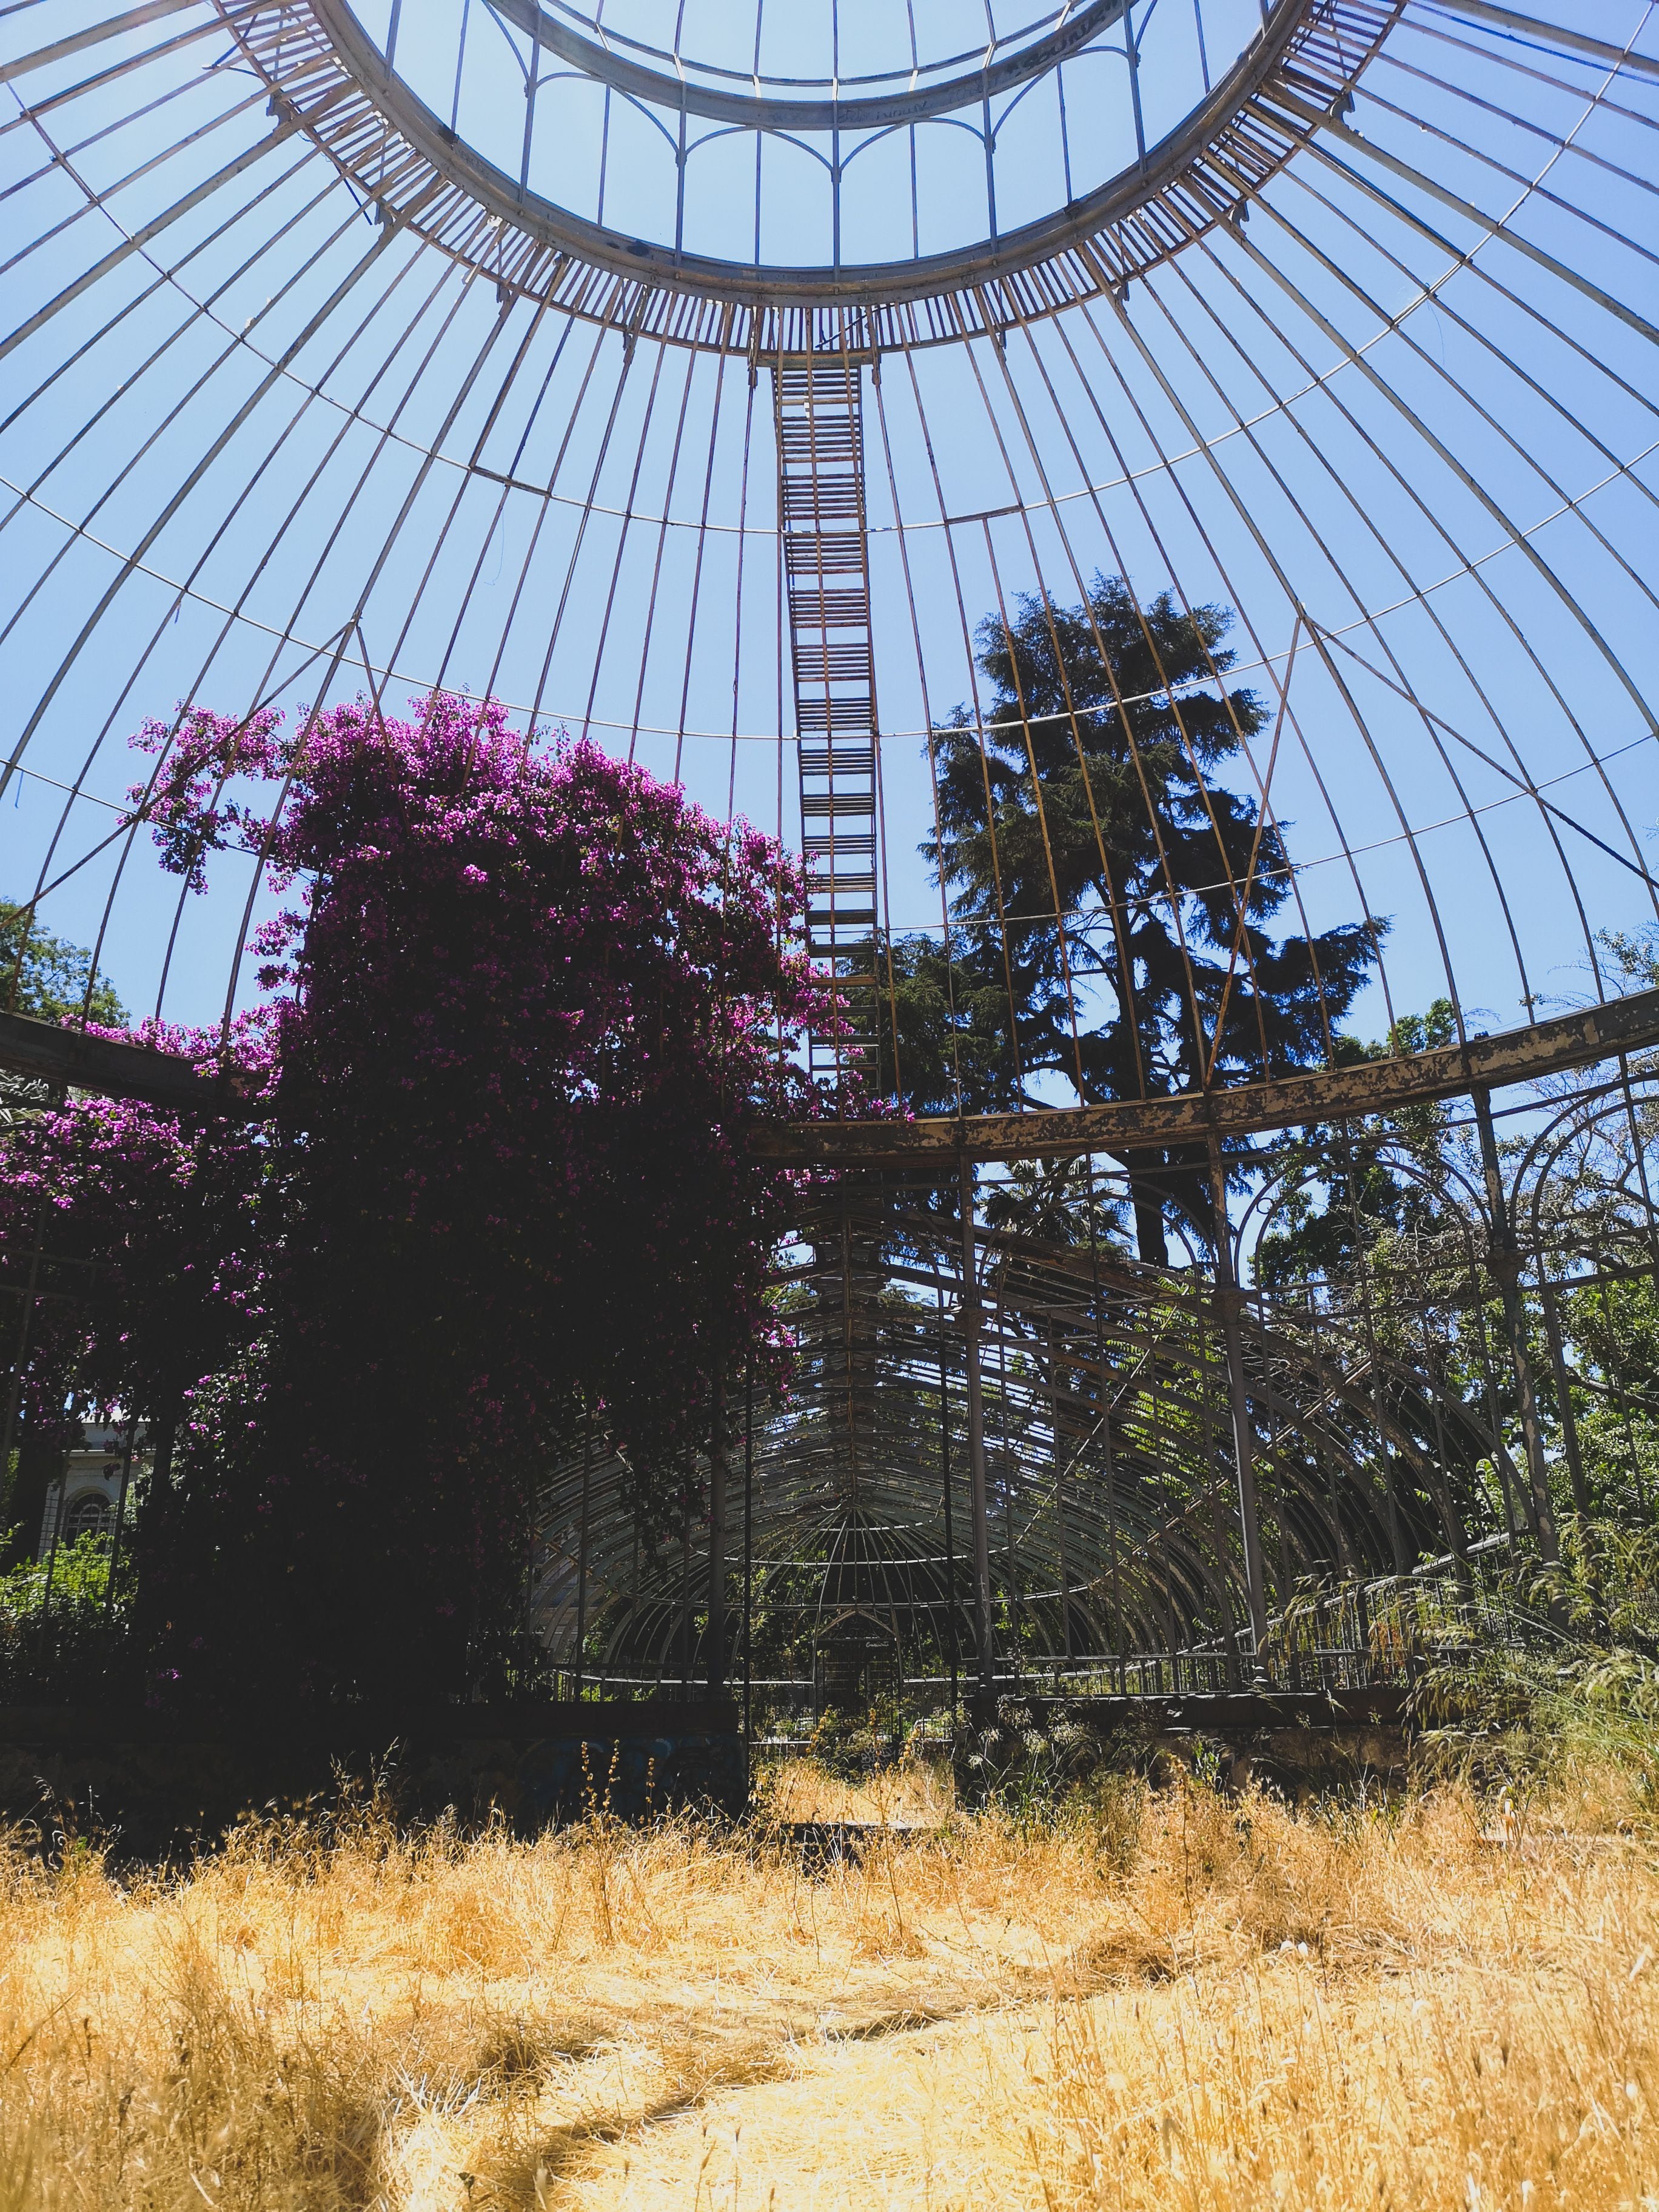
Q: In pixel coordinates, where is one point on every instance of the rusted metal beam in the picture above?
(1375, 1086)
(75, 1060)
(72, 1058)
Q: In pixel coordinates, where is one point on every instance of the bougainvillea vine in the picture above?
(521, 1014)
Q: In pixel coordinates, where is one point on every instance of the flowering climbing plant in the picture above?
(521, 1013)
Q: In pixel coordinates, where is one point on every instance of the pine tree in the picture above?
(1091, 782)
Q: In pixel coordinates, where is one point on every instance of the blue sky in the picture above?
(1419, 470)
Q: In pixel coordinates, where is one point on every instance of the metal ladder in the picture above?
(817, 401)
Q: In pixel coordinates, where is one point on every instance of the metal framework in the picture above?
(326, 77)
(315, 388)
(1386, 1412)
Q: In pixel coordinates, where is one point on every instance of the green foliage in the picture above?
(47, 976)
(79, 1576)
(1058, 1202)
(1113, 895)
(1049, 1771)
(1533, 1701)
(1350, 1194)
(1612, 1332)
(62, 1637)
(854, 1746)
(1634, 955)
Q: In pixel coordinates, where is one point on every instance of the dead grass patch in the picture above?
(1180, 2000)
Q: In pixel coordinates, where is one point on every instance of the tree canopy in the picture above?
(46, 976)
(1113, 897)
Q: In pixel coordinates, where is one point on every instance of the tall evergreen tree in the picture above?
(1091, 782)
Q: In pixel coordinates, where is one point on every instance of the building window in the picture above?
(89, 1515)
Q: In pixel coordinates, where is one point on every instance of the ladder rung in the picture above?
(839, 802)
(836, 760)
(848, 662)
(819, 374)
(812, 501)
(820, 389)
(816, 715)
(811, 609)
(829, 553)
(818, 444)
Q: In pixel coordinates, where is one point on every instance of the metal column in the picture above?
(1228, 1301)
(1504, 1263)
(970, 1317)
(717, 1541)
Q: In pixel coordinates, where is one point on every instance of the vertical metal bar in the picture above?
(120, 1517)
(1338, 1531)
(679, 181)
(1504, 1263)
(581, 1553)
(1218, 1513)
(717, 1541)
(1624, 1402)
(1132, 54)
(532, 75)
(1065, 131)
(634, 1608)
(1227, 1308)
(25, 1330)
(747, 1548)
(1509, 1482)
(952, 1625)
(760, 137)
(460, 57)
(1163, 1455)
(834, 134)
(1203, 48)
(1062, 1568)
(1391, 1495)
(1639, 1153)
(605, 157)
(1105, 1421)
(975, 1438)
(52, 1556)
(685, 1588)
(1456, 1536)
(1009, 1460)
(1564, 1395)
(990, 137)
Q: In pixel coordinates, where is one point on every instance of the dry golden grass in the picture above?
(1173, 2001)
